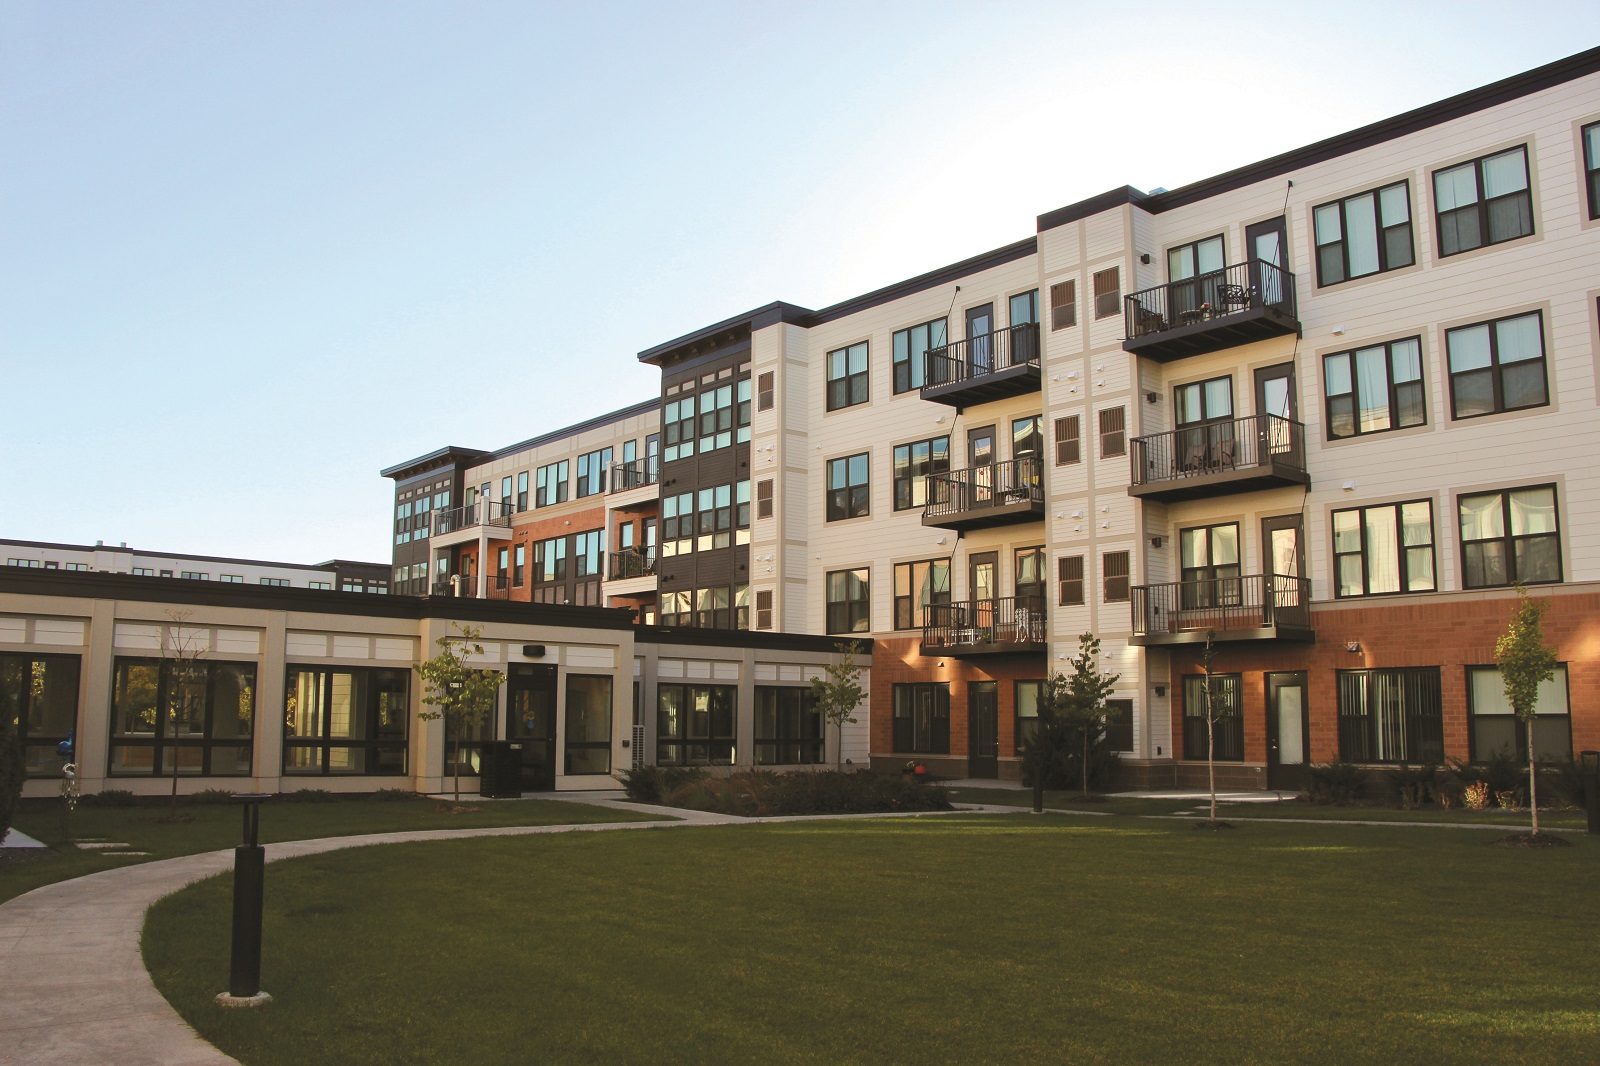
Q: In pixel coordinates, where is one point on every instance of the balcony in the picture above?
(635, 474)
(1253, 607)
(631, 563)
(465, 587)
(984, 368)
(459, 525)
(1219, 459)
(1238, 304)
(1007, 625)
(982, 496)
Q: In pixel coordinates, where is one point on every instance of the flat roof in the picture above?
(185, 555)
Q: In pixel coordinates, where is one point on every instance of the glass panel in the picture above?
(1456, 187)
(1522, 385)
(1533, 511)
(1224, 545)
(1194, 549)
(1406, 359)
(1210, 255)
(1180, 263)
(1328, 228)
(1393, 205)
(1372, 374)
(1481, 518)
(1219, 398)
(233, 707)
(1519, 338)
(1505, 173)
(1361, 216)
(1469, 348)
(1347, 531)
(137, 684)
(1383, 559)
(1291, 743)
(1336, 369)
(53, 705)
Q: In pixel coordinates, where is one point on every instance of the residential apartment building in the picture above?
(344, 575)
(1328, 408)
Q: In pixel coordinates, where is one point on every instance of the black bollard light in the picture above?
(249, 864)
(1590, 760)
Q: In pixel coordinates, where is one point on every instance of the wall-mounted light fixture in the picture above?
(1144, 257)
(1161, 690)
(1151, 397)
(1155, 542)
(1353, 647)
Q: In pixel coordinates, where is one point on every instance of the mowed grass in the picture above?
(935, 939)
(212, 827)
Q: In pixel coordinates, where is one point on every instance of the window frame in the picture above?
(1403, 566)
(1380, 236)
(851, 499)
(1070, 581)
(1519, 732)
(1227, 732)
(676, 747)
(904, 731)
(1108, 301)
(372, 744)
(1108, 580)
(1509, 539)
(1589, 159)
(904, 357)
(796, 729)
(25, 712)
(908, 477)
(1113, 433)
(1063, 304)
(159, 740)
(911, 606)
(1480, 206)
(848, 614)
(587, 746)
(1496, 368)
(842, 389)
(1407, 731)
(1069, 440)
(1392, 402)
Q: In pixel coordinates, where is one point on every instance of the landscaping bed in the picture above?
(762, 794)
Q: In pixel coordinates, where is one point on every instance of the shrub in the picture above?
(1500, 771)
(764, 794)
(111, 797)
(1561, 785)
(651, 784)
(308, 795)
(12, 770)
(1475, 796)
(207, 796)
(394, 795)
(1414, 786)
(1338, 782)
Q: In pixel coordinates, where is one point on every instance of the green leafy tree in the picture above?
(839, 694)
(461, 694)
(1047, 748)
(1526, 663)
(1086, 703)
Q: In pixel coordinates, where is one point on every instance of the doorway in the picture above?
(531, 721)
(983, 729)
(1283, 562)
(1288, 727)
(1276, 408)
(1267, 251)
(980, 467)
(980, 339)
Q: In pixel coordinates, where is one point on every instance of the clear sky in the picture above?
(250, 254)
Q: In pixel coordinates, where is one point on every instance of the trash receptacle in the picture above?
(500, 769)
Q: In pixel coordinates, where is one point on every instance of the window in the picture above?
(551, 486)
(922, 718)
(788, 727)
(1591, 166)
(912, 464)
(1069, 574)
(1064, 304)
(741, 411)
(1113, 432)
(1494, 727)
(505, 495)
(1364, 234)
(194, 575)
(695, 725)
(1209, 558)
(677, 608)
(1119, 725)
(276, 582)
(345, 720)
(1030, 578)
(1510, 537)
(716, 418)
(549, 560)
(522, 489)
(1373, 389)
(40, 694)
(588, 737)
(232, 579)
(917, 586)
(764, 609)
(764, 390)
(1027, 441)
(1024, 308)
(592, 467)
(75, 566)
(1114, 577)
(764, 498)
(677, 525)
(677, 421)
(1227, 725)
(1483, 202)
(1194, 260)
(1107, 293)
(197, 716)
(1390, 716)
(849, 603)
(1067, 433)
(1384, 549)
(1497, 366)
(911, 353)
(847, 376)
(588, 551)
(711, 608)
(848, 490)
(1028, 694)
(319, 584)
(521, 564)
(138, 571)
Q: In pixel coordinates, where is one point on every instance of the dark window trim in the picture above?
(1227, 730)
(1380, 236)
(1495, 367)
(1519, 731)
(1482, 204)
(159, 742)
(1400, 549)
(903, 728)
(1393, 400)
(720, 746)
(1420, 732)
(849, 381)
(326, 743)
(908, 482)
(848, 615)
(803, 713)
(907, 382)
(51, 742)
(913, 613)
(845, 503)
(1510, 539)
(1591, 174)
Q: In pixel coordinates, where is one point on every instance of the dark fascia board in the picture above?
(771, 314)
(439, 457)
(746, 638)
(643, 407)
(351, 564)
(931, 280)
(178, 555)
(76, 583)
(1473, 100)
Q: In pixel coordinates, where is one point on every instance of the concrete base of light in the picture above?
(260, 999)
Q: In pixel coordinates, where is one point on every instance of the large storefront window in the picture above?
(40, 694)
(1227, 726)
(197, 717)
(788, 727)
(588, 736)
(345, 720)
(922, 719)
(1390, 716)
(695, 725)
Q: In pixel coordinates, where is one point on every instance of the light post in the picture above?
(249, 862)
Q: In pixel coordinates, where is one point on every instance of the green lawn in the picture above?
(938, 939)
(219, 826)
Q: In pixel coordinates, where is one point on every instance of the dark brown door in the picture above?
(1266, 247)
(980, 339)
(980, 467)
(531, 722)
(983, 729)
(1288, 727)
(983, 584)
(1283, 564)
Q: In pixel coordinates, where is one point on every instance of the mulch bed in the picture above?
(1528, 840)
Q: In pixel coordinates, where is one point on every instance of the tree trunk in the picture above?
(1038, 795)
(1085, 764)
(457, 759)
(1533, 780)
(1211, 762)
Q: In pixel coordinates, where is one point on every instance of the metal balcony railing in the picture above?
(988, 353)
(1210, 297)
(981, 488)
(632, 562)
(1221, 605)
(992, 624)
(1219, 447)
(465, 586)
(482, 513)
(635, 474)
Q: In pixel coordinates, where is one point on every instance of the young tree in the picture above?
(12, 767)
(463, 694)
(1215, 704)
(182, 649)
(1047, 748)
(1525, 663)
(840, 694)
(1086, 705)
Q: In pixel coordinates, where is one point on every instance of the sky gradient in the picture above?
(250, 254)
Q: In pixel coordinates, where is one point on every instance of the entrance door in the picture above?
(1283, 562)
(1288, 727)
(983, 729)
(531, 721)
(1276, 407)
(981, 571)
(980, 339)
(1267, 249)
(980, 467)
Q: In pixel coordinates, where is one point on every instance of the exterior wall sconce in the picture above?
(1155, 542)
(1161, 691)
(1353, 647)
(1150, 397)
(1144, 257)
